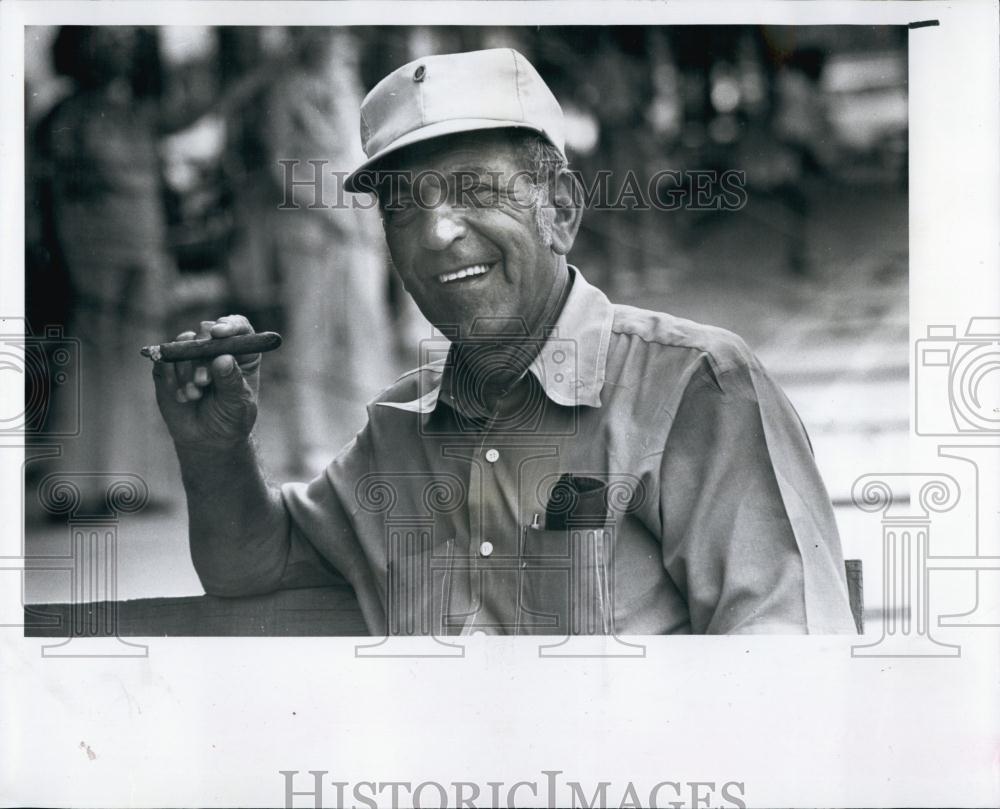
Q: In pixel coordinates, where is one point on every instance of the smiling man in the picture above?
(569, 466)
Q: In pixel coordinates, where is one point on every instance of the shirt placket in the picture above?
(502, 468)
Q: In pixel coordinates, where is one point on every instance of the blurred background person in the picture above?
(106, 226)
(303, 256)
(100, 188)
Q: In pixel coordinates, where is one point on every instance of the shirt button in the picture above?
(486, 548)
(492, 455)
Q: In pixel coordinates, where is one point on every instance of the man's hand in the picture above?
(238, 527)
(210, 406)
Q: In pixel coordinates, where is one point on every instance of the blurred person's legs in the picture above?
(338, 349)
(119, 309)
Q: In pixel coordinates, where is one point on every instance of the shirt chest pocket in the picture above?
(565, 581)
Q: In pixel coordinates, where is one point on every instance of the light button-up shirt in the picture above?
(654, 480)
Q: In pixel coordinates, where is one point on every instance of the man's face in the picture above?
(473, 259)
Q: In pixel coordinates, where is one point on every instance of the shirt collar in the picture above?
(570, 365)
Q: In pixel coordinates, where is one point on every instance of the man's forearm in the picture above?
(238, 527)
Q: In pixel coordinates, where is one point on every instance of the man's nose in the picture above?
(443, 226)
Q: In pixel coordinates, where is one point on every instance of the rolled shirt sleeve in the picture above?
(749, 534)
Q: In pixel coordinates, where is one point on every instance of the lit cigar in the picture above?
(206, 348)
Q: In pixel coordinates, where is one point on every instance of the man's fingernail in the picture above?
(192, 391)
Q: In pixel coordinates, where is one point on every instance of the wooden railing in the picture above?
(316, 611)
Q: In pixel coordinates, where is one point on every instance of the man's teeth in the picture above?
(465, 272)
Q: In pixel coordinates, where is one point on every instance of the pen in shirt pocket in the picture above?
(526, 530)
(535, 525)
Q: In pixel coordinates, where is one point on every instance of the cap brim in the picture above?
(428, 132)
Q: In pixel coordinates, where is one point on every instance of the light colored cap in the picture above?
(456, 92)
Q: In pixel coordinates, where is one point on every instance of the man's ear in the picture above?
(567, 206)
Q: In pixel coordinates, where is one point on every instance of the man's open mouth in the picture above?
(472, 271)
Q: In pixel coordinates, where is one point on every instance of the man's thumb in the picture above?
(227, 375)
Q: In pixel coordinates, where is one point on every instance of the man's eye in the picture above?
(400, 211)
(400, 204)
(479, 195)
